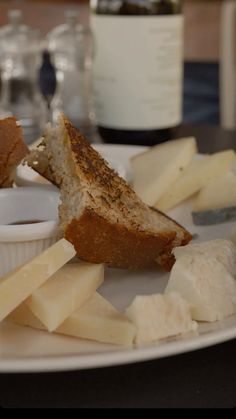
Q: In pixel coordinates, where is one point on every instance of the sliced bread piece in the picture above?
(38, 160)
(12, 150)
(100, 213)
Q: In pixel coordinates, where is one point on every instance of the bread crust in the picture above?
(12, 149)
(166, 258)
(98, 241)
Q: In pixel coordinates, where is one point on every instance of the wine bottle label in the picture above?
(137, 71)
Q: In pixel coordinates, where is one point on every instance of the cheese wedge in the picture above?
(197, 174)
(160, 316)
(223, 250)
(15, 287)
(216, 202)
(219, 193)
(206, 284)
(156, 169)
(65, 292)
(97, 320)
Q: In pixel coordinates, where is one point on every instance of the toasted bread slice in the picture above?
(12, 150)
(100, 213)
(39, 161)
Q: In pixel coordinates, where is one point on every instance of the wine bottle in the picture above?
(137, 69)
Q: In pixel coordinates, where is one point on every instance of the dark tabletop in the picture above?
(209, 138)
(204, 378)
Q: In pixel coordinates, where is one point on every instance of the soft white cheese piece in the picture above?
(195, 176)
(65, 292)
(16, 286)
(159, 316)
(223, 250)
(206, 284)
(97, 320)
(157, 168)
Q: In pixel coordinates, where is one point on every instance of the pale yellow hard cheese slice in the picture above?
(96, 320)
(16, 286)
(65, 292)
(196, 175)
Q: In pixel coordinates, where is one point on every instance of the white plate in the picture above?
(24, 349)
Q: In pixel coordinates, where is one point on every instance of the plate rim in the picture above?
(119, 355)
(56, 363)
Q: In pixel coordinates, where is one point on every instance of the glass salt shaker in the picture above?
(3, 113)
(21, 55)
(71, 49)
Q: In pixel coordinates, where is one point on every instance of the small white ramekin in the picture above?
(20, 243)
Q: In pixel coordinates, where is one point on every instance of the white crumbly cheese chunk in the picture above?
(156, 169)
(160, 316)
(97, 320)
(65, 292)
(196, 175)
(223, 250)
(16, 286)
(219, 193)
(206, 284)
